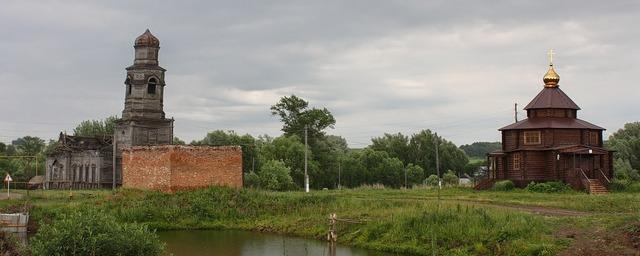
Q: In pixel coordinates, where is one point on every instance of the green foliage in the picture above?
(504, 185)
(289, 150)
(90, 232)
(481, 149)
(415, 174)
(450, 178)
(90, 128)
(275, 175)
(396, 145)
(432, 180)
(295, 114)
(28, 145)
(178, 141)
(548, 187)
(624, 185)
(419, 150)
(372, 167)
(626, 142)
(624, 171)
(251, 180)
(230, 138)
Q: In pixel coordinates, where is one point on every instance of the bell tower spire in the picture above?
(143, 120)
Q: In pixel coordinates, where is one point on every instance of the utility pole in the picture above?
(437, 141)
(515, 112)
(405, 177)
(306, 146)
(115, 154)
(339, 174)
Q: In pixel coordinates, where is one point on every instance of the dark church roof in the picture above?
(551, 122)
(69, 143)
(552, 97)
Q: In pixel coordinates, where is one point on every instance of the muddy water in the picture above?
(243, 243)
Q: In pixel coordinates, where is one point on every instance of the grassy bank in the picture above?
(465, 222)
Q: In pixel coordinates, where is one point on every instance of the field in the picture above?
(415, 221)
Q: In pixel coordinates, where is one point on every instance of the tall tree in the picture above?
(397, 145)
(295, 114)
(231, 138)
(91, 128)
(480, 149)
(28, 145)
(626, 143)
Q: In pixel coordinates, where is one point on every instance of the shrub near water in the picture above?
(91, 232)
(504, 185)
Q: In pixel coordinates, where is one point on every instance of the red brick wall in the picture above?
(170, 168)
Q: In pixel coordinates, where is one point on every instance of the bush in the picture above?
(251, 180)
(548, 187)
(275, 175)
(504, 185)
(432, 180)
(90, 232)
(618, 185)
(450, 178)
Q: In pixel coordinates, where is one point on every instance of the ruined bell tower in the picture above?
(143, 120)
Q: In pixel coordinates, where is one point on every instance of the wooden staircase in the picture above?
(596, 187)
(486, 183)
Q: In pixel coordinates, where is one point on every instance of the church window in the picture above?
(594, 138)
(128, 83)
(532, 138)
(517, 160)
(151, 86)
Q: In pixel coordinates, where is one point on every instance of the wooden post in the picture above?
(332, 236)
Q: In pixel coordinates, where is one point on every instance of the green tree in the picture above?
(328, 152)
(275, 175)
(624, 171)
(423, 153)
(432, 180)
(90, 128)
(28, 145)
(289, 150)
(3, 148)
(626, 143)
(420, 150)
(450, 178)
(397, 145)
(230, 138)
(295, 115)
(415, 174)
(178, 141)
(90, 232)
(480, 149)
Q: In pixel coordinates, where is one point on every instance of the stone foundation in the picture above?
(171, 168)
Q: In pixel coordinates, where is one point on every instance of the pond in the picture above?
(244, 243)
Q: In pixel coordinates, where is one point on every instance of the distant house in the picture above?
(552, 144)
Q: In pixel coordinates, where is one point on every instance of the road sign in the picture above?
(8, 180)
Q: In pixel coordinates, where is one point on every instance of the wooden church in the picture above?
(552, 144)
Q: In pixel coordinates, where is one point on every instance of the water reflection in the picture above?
(242, 243)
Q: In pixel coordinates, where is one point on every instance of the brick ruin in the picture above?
(143, 136)
(171, 168)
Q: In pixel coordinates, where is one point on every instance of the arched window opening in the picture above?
(151, 86)
(128, 83)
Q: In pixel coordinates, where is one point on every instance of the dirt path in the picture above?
(598, 242)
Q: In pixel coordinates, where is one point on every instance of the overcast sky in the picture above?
(455, 67)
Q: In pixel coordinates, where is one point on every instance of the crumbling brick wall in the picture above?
(170, 167)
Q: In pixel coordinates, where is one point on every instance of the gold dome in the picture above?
(551, 78)
(147, 39)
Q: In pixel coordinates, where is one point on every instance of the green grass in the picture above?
(463, 222)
